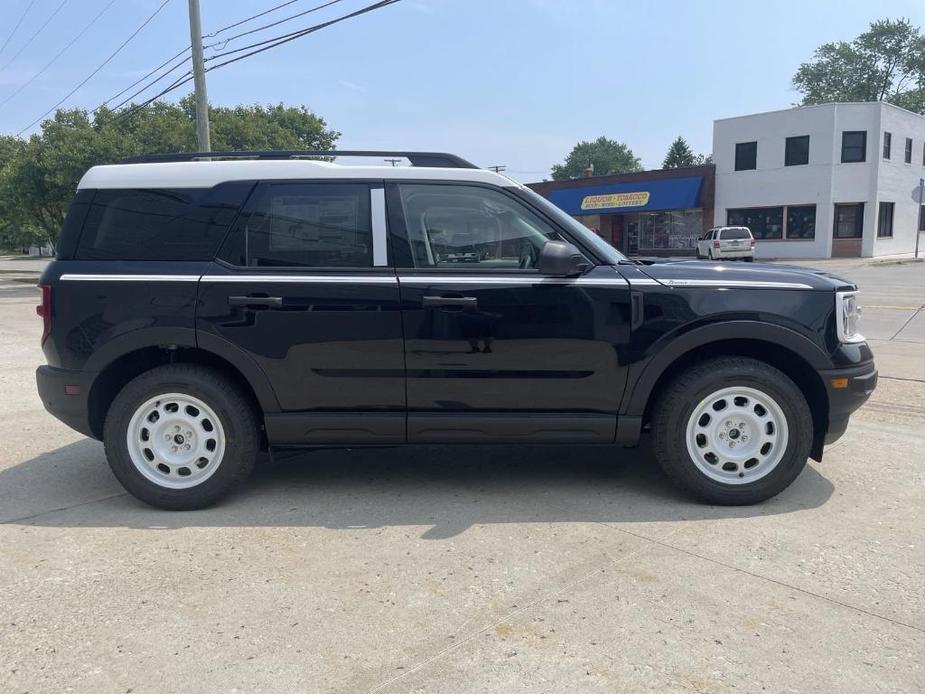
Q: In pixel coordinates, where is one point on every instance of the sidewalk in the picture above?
(22, 264)
(850, 263)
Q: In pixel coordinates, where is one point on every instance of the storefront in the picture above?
(659, 212)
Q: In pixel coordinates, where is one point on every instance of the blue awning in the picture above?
(644, 196)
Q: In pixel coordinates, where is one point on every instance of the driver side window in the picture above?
(462, 226)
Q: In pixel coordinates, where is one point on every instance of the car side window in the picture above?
(304, 224)
(464, 226)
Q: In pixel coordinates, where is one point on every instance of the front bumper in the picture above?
(73, 409)
(848, 389)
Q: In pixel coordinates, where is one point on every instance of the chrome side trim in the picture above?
(437, 279)
(69, 277)
(736, 284)
(720, 284)
(532, 280)
(304, 279)
(380, 238)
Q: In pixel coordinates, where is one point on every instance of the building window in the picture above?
(853, 146)
(796, 151)
(921, 217)
(849, 220)
(887, 144)
(801, 222)
(746, 156)
(885, 220)
(908, 150)
(764, 222)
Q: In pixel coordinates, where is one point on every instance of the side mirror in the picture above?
(561, 259)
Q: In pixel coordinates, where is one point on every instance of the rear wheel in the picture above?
(749, 259)
(181, 436)
(732, 430)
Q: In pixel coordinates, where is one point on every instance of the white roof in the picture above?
(205, 174)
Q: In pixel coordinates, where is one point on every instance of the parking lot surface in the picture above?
(436, 569)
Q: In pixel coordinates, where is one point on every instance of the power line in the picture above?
(293, 35)
(150, 84)
(59, 53)
(32, 38)
(224, 42)
(285, 39)
(210, 35)
(100, 67)
(252, 17)
(22, 17)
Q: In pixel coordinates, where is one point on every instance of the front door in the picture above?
(495, 351)
(304, 288)
(848, 231)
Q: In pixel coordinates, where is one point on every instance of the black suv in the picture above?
(200, 310)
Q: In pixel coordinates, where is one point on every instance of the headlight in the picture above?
(847, 314)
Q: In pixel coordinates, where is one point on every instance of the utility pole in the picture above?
(393, 162)
(199, 79)
(497, 169)
(921, 216)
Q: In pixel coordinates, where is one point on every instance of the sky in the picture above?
(499, 82)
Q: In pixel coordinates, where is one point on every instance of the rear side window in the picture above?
(73, 223)
(729, 234)
(159, 223)
(304, 225)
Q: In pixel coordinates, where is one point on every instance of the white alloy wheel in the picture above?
(175, 440)
(737, 435)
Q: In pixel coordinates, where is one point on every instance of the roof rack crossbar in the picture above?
(424, 159)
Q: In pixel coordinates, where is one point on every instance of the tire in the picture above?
(181, 417)
(686, 423)
(750, 259)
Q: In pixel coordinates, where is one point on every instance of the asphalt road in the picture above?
(543, 569)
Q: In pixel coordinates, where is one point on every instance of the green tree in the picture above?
(604, 155)
(38, 176)
(885, 63)
(680, 154)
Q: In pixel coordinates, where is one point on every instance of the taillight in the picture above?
(44, 310)
(753, 243)
(716, 244)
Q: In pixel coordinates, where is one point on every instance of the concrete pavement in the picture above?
(469, 569)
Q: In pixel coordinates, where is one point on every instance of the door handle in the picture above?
(269, 301)
(461, 302)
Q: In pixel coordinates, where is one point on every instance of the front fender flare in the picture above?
(645, 374)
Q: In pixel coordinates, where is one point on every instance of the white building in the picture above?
(821, 181)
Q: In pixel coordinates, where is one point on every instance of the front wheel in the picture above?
(181, 436)
(732, 431)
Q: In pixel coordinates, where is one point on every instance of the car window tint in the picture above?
(309, 225)
(470, 226)
(159, 224)
(736, 234)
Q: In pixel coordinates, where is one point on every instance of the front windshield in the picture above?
(610, 254)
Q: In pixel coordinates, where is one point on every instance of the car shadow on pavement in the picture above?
(448, 488)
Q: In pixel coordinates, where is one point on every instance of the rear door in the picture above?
(496, 352)
(303, 286)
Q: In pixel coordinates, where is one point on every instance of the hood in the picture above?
(679, 271)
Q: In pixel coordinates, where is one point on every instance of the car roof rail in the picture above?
(423, 159)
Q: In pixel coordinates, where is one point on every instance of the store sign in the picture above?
(599, 202)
